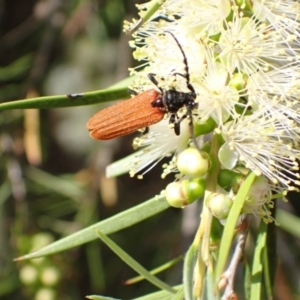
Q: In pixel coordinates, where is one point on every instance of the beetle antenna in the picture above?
(186, 66)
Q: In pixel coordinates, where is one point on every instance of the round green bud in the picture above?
(193, 163)
(182, 193)
(230, 180)
(215, 234)
(28, 274)
(204, 128)
(50, 276)
(193, 189)
(45, 294)
(219, 205)
(174, 195)
(40, 240)
(206, 147)
(238, 80)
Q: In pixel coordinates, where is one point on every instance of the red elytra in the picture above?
(125, 117)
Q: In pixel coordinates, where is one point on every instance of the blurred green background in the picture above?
(52, 174)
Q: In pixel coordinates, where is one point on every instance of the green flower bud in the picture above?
(215, 234)
(45, 294)
(40, 240)
(230, 180)
(193, 163)
(207, 127)
(182, 193)
(194, 189)
(219, 205)
(50, 276)
(238, 80)
(206, 147)
(174, 195)
(28, 274)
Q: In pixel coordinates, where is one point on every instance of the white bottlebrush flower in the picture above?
(158, 143)
(256, 42)
(202, 17)
(239, 62)
(283, 17)
(276, 87)
(263, 145)
(259, 200)
(248, 46)
(217, 98)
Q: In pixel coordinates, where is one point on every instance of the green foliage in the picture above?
(51, 187)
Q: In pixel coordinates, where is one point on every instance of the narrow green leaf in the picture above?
(95, 267)
(162, 295)
(98, 297)
(247, 279)
(288, 222)
(118, 222)
(271, 253)
(179, 295)
(257, 266)
(230, 225)
(157, 270)
(133, 263)
(152, 8)
(188, 271)
(60, 185)
(209, 291)
(116, 92)
(18, 67)
(267, 275)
